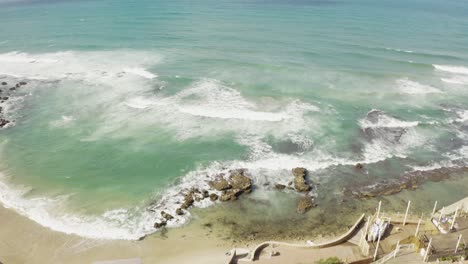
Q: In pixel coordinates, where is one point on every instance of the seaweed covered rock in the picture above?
(304, 204)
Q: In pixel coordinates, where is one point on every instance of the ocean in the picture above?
(130, 103)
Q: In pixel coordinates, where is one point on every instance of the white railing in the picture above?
(394, 253)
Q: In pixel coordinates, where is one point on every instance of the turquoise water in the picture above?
(130, 102)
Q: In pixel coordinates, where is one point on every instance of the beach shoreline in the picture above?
(25, 241)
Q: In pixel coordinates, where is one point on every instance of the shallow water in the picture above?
(129, 103)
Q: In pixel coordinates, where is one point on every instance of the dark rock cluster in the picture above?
(229, 188)
(408, 181)
(5, 94)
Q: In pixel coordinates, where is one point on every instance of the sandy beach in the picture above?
(24, 241)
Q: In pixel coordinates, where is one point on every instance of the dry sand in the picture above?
(24, 241)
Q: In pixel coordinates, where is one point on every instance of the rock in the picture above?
(12, 88)
(230, 195)
(359, 166)
(213, 197)
(239, 181)
(220, 185)
(305, 204)
(205, 194)
(299, 172)
(3, 122)
(179, 211)
(23, 83)
(160, 224)
(166, 215)
(280, 186)
(17, 85)
(299, 180)
(5, 98)
(188, 201)
(4, 83)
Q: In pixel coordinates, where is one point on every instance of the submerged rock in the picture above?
(220, 185)
(305, 204)
(4, 122)
(408, 181)
(179, 211)
(280, 186)
(166, 215)
(23, 83)
(4, 83)
(300, 183)
(160, 224)
(213, 197)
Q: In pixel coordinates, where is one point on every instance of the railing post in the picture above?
(406, 214)
(367, 226)
(441, 213)
(378, 209)
(458, 243)
(427, 250)
(433, 210)
(454, 218)
(417, 228)
(377, 247)
(396, 249)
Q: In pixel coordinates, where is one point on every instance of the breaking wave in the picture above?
(406, 86)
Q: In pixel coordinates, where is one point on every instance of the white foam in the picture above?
(141, 72)
(49, 212)
(456, 80)
(411, 87)
(462, 116)
(452, 69)
(400, 50)
(385, 121)
(93, 67)
(383, 144)
(63, 122)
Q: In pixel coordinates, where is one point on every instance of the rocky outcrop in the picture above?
(239, 181)
(300, 183)
(188, 201)
(220, 185)
(408, 181)
(230, 195)
(304, 204)
(179, 211)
